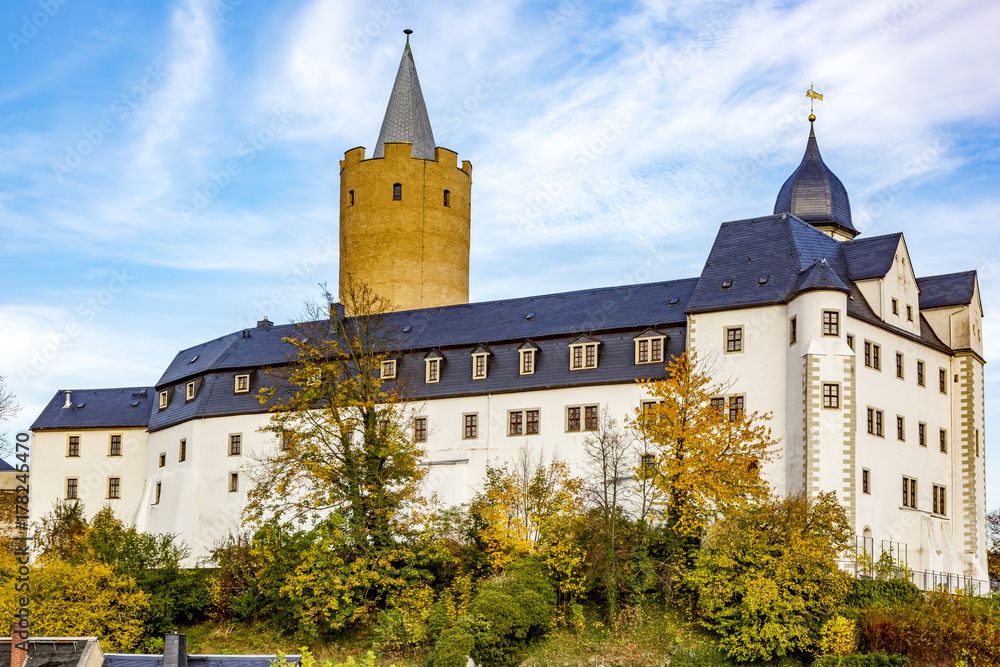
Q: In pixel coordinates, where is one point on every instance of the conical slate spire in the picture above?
(813, 193)
(406, 115)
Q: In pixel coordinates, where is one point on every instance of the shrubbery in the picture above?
(863, 660)
(883, 593)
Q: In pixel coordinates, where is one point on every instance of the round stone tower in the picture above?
(405, 213)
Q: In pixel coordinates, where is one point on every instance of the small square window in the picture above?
(734, 339)
(234, 482)
(831, 395)
(793, 333)
(420, 429)
(235, 444)
(471, 425)
(866, 481)
(648, 461)
(388, 371)
(114, 487)
(73, 446)
(189, 391)
(182, 450)
(718, 403)
(241, 384)
(115, 445)
(831, 323)
(164, 398)
(72, 488)
(163, 459)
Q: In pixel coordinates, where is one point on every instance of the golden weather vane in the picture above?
(812, 95)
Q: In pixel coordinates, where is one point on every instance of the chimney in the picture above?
(175, 652)
(264, 323)
(69, 400)
(19, 641)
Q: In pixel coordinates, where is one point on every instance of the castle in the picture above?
(874, 377)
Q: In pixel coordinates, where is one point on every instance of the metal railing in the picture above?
(925, 580)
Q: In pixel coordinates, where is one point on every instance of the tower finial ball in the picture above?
(407, 32)
(812, 117)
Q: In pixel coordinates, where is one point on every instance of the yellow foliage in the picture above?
(458, 596)
(837, 637)
(708, 458)
(85, 600)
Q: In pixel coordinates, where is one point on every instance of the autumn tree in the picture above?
(347, 447)
(708, 455)
(768, 578)
(8, 410)
(993, 543)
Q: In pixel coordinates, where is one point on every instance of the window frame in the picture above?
(921, 373)
(909, 313)
(116, 484)
(850, 341)
(157, 492)
(900, 366)
(162, 460)
(587, 353)
(910, 492)
(235, 444)
(111, 444)
(397, 192)
(387, 369)
(875, 422)
(793, 333)
(420, 428)
(480, 365)
(734, 412)
(900, 428)
(831, 323)
(939, 504)
(834, 396)
(520, 417)
(922, 434)
(234, 481)
(432, 370)
(182, 450)
(245, 378)
(943, 440)
(895, 306)
(943, 380)
(73, 444)
(866, 481)
(734, 341)
(189, 392)
(648, 345)
(75, 488)
(470, 425)
(526, 354)
(164, 399)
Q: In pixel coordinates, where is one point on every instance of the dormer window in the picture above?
(241, 384)
(583, 353)
(164, 399)
(432, 367)
(649, 347)
(526, 358)
(189, 390)
(397, 191)
(479, 362)
(388, 369)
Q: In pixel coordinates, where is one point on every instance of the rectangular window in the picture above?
(895, 307)
(977, 442)
(866, 481)
(583, 355)
(163, 399)
(433, 371)
(871, 421)
(516, 425)
(649, 405)
(922, 434)
(656, 350)
(909, 492)
(875, 421)
(472, 425)
(719, 403)
(943, 381)
(388, 371)
(831, 395)
(189, 391)
(72, 488)
(591, 355)
(527, 362)
(234, 482)
(648, 461)
(643, 351)
(878, 423)
(590, 418)
(531, 422)
(479, 367)
(578, 357)
(734, 339)
(943, 440)
(850, 341)
(792, 331)
(420, 429)
(235, 444)
(182, 451)
(909, 313)
(899, 365)
(920, 373)
(241, 384)
(900, 428)
(939, 501)
(735, 408)
(115, 446)
(831, 323)
(573, 419)
(286, 440)
(163, 459)
(73, 446)
(114, 487)
(873, 353)
(156, 497)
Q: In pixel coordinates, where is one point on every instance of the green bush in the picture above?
(863, 660)
(453, 648)
(883, 593)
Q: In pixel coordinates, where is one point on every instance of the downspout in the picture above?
(489, 424)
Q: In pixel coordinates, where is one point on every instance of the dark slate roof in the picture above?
(52, 651)
(6, 467)
(872, 257)
(814, 193)
(818, 276)
(140, 660)
(98, 408)
(950, 289)
(406, 119)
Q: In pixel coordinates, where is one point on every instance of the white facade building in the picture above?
(874, 378)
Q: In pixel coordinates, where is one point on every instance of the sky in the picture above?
(169, 170)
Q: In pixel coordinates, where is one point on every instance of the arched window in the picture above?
(351, 198)
(397, 191)
(447, 197)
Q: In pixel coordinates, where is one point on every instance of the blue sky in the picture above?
(608, 142)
